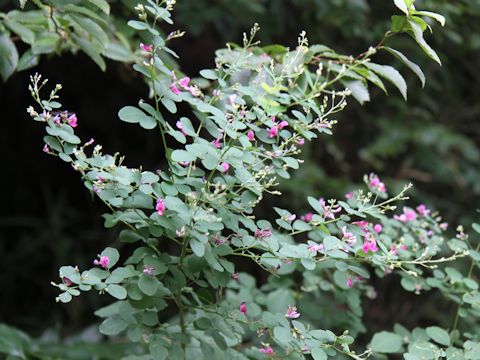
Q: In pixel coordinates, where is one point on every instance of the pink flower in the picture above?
(217, 143)
(292, 312)
(179, 125)
(146, 48)
(90, 142)
(300, 141)
(72, 120)
(267, 350)
(369, 245)
(232, 98)
(160, 207)
(443, 226)
(393, 249)
(148, 270)
(103, 262)
(349, 282)
(423, 210)
(307, 217)
(243, 308)
(378, 228)
(282, 124)
(349, 195)
(225, 166)
(184, 163)
(56, 120)
(174, 89)
(348, 236)
(329, 211)
(183, 82)
(67, 281)
(46, 149)
(408, 215)
(376, 184)
(273, 131)
(262, 234)
(314, 248)
(251, 135)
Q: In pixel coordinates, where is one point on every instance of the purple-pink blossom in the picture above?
(232, 98)
(267, 350)
(314, 248)
(376, 184)
(348, 236)
(263, 233)
(329, 211)
(67, 281)
(370, 244)
(408, 215)
(292, 312)
(148, 270)
(217, 143)
(443, 226)
(46, 149)
(378, 228)
(307, 217)
(243, 308)
(160, 207)
(225, 166)
(273, 131)
(423, 210)
(183, 82)
(104, 261)
(282, 124)
(146, 48)
(250, 135)
(72, 120)
(349, 282)
(300, 141)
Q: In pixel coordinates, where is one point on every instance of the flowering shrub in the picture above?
(250, 117)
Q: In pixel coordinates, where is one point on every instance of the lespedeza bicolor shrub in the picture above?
(250, 117)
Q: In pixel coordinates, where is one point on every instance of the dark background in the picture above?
(48, 219)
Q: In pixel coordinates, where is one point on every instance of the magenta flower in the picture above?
(349, 282)
(443, 226)
(329, 211)
(262, 234)
(378, 228)
(183, 82)
(174, 89)
(146, 48)
(90, 142)
(56, 120)
(376, 184)
(393, 249)
(217, 143)
(292, 312)
(160, 207)
(225, 166)
(184, 163)
(291, 218)
(232, 98)
(179, 125)
(423, 210)
(349, 195)
(243, 308)
(148, 270)
(408, 215)
(282, 124)
(103, 262)
(369, 245)
(251, 135)
(267, 350)
(300, 141)
(314, 248)
(72, 120)
(348, 236)
(67, 281)
(46, 149)
(273, 131)
(307, 217)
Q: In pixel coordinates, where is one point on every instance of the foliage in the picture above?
(251, 115)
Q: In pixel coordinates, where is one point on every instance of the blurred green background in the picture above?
(47, 218)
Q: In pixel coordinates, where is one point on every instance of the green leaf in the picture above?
(112, 326)
(438, 335)
(418, 36)
(282, 334)
(132, 114)
(88, 48)
(138, 25)
(117, 291)
(359, 90)
(102, 5)
(438, 17)
(92, 28)
(208, 74)
(386, 342)
(182, 155)
(148, 284)
(402, 6)
(8, 57)
(411, 65)
(27, 61)
(392, 75)
(476, 227)
(158, 351)
(319, 354)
